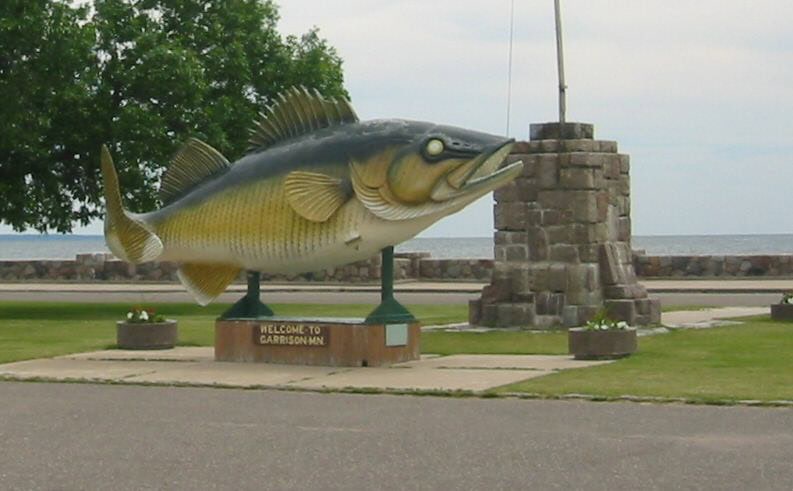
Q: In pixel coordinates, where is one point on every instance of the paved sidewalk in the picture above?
(656, 286)
(196, 366)
(708, 317)
(412, 286)
(728, 285)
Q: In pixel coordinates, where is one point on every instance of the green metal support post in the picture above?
(250, 306)
(390, 311)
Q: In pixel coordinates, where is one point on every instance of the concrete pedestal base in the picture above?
(326, 342)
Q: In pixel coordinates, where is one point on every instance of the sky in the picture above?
(697, 93)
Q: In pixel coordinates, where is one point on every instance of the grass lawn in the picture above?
(42, 329)
(498, 342)
(752, 361)
(749, 361)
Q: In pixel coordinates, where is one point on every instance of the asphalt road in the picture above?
(267, 297)
(74, 436)
(691, 298)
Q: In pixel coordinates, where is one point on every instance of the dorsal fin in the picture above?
(296, 112)
(192, 164)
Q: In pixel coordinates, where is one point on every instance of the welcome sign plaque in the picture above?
(296, 334)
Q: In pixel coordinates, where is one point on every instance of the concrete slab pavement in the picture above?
(182, 353)
(64, 369)
(195, 366)
(708, 317)
(231, 375)
(504, 362)
(419, 378)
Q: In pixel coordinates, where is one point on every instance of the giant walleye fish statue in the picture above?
(317, 188)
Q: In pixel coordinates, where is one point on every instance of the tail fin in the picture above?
(127, 237)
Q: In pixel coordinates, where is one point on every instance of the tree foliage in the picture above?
(141, 76)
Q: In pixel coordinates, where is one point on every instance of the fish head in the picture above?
(438, 171)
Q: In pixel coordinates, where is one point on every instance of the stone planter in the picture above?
(146, 335)
(594, 345)
(782, 312)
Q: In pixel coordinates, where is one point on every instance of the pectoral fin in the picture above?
(206, 281)
(315, 196)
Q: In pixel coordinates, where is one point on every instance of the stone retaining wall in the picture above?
(102, 267)
(456, 269)
(712, 266)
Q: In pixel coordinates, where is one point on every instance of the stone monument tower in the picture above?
(563, 236)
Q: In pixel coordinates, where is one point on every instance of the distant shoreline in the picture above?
(654, 236)
(60, 247)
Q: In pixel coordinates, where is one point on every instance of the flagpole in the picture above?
(509, 70)
(560, 65)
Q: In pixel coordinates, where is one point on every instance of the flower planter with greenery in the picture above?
(145, 329)
(601, 338)
(783, 311)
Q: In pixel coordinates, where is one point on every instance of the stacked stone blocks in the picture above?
(562, 241)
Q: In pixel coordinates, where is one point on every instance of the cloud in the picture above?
(697, 92)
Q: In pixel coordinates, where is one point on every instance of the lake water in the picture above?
(67, 246)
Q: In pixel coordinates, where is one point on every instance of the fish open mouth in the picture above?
(480, 175)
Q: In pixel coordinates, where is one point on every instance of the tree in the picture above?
(47, 69)
(145, 76)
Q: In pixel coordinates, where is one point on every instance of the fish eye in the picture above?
(434, 147)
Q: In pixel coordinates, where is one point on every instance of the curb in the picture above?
(486, 394)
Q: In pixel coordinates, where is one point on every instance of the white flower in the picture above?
(129, 315)
(789, 300)
(144, 316)
(622, 325)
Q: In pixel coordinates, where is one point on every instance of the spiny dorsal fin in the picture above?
(296, 112)
(192, 164)
(315, 196)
